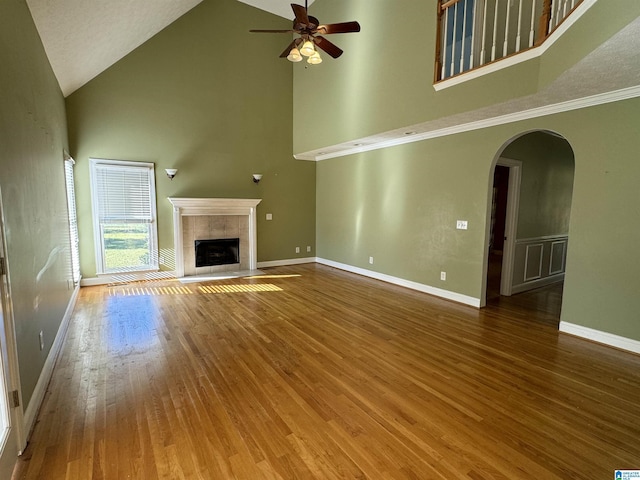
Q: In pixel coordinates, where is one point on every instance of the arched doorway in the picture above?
(530, 194)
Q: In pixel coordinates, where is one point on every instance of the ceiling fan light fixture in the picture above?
(309, 35)
(315, 59)
(294, 55)
(307, 48)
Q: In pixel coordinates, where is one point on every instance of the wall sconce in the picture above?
(171, 172)
(257, 177)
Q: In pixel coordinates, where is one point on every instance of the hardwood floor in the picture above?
(310, 372)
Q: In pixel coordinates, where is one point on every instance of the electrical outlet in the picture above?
(161, 260)
(371, 260)
(308, 248)
(443, 276)
(297, 249)
(41, 337)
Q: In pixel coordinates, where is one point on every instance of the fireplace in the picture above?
(198, 219)
(219, 251)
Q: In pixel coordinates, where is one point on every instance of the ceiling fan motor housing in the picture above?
(309, 28)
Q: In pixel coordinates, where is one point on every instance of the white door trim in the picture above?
(16, 441)
(511, 223)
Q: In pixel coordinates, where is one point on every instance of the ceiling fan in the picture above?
(311, 30)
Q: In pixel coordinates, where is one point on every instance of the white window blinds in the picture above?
(73, 220)
(123, 194)
(124, 214)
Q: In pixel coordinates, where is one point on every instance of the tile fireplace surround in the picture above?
(208, 218)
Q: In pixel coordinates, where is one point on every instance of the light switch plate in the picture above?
(461, 224)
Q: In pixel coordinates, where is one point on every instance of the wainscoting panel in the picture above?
(533, 262)
(539, 261)
(558, 254)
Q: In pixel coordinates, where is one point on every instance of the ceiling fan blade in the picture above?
(327, 46)
(345, 27)
(295, 43)
(300, 13)
(272, 31)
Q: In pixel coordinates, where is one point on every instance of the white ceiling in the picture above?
(82, 38)
(281, 8)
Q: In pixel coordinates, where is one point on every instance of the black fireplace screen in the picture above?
(224, 251)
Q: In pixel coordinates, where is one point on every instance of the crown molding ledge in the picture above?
(576, 104)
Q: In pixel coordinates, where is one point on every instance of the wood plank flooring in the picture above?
(310, 372)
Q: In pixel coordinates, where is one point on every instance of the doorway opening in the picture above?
(530, 194)
(498, 229)
(11, 412)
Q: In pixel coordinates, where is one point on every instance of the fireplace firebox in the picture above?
(222, 251)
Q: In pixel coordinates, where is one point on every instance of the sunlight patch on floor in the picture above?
(264, 287)
(202, 289)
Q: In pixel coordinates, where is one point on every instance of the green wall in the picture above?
(33, 136)
(602, 283)
(191, 98)
(400, 204)
(546, 185)
(384, 79)
(209, 98)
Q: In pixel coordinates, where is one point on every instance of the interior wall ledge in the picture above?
(343, 150)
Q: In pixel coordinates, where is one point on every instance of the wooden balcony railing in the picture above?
(473, 33)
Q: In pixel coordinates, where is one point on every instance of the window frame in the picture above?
(74, 238)
(97, 234)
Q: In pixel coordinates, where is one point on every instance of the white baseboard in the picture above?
(438, 292)
(601, 337)
(289, 261)
(31, 413)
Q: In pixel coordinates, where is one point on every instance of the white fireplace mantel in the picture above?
(213, 206)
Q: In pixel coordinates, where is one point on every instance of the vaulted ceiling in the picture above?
(82, 38)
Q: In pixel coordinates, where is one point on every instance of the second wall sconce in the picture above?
(257, 177)
(171, 172)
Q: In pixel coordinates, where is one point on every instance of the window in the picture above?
(124, 216)
(73, 219)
